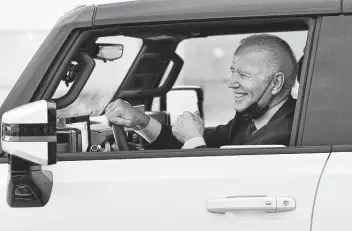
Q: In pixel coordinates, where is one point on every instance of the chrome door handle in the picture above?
(255, 203)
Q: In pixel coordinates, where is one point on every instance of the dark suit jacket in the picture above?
(276, 131)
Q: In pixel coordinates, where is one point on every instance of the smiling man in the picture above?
(264, 70)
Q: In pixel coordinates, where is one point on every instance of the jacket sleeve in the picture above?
(219, 136)
(165, 140)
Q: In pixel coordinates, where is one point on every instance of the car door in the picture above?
(244, 189)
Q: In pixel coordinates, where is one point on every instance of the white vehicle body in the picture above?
(303, 186)
(173, 194)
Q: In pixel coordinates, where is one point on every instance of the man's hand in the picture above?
(122, 113)
(188, 126)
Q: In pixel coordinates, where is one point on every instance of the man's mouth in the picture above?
(239, 95)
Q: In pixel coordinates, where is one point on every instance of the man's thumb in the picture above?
(120, 121)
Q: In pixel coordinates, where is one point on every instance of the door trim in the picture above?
(177, 153)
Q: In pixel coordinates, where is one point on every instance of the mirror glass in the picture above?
(109, 52)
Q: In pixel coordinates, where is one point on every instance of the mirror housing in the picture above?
(183, 98)
(29, 132)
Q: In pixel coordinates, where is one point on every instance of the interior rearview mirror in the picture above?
(29, 132)
(183, 98)
(109, 52)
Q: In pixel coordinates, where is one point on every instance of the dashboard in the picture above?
(84, 133)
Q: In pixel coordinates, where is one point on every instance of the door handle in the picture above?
(251, 203)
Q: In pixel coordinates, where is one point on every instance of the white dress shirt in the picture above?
(152, 131)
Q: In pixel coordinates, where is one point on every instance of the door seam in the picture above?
(317, 189)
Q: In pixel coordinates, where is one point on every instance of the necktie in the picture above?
(249, 131)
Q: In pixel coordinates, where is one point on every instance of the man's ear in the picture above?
(278, 82)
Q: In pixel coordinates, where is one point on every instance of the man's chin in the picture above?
(240, 109)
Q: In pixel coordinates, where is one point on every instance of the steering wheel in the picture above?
(120, 137)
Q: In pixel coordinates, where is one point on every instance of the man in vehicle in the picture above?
(263, 69)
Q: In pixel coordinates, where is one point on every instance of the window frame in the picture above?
(49, 82)
(305, 82)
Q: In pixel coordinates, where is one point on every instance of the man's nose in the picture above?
(234, 83)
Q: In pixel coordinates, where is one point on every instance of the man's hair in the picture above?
(282, 57)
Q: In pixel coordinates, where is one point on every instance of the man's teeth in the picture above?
(239, 95)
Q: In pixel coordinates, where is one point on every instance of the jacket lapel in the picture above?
(287, 108)
(238, 126)
(277, 123)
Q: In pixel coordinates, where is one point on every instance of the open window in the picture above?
(166, 68)
(204, 79)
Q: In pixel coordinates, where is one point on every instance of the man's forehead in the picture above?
(251, 57)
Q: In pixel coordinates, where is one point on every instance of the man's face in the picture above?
(250, 78)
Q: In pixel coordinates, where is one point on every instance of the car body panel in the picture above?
(79, 17)
(328, 114)
(171, 193)
(163, 11)
(347, 6)
(334, 202)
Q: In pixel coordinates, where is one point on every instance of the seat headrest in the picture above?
(300, 63)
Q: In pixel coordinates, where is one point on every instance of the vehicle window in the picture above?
(104, 80)
(206, 64)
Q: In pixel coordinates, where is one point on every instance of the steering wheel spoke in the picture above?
(120, 137)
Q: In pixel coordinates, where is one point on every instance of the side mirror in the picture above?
(29, 132)
(182, 98)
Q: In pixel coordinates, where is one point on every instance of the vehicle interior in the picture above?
(150, 80)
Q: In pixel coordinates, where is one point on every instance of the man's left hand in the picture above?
(188, 126)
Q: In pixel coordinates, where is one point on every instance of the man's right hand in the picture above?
(188, 126)
(122, 113)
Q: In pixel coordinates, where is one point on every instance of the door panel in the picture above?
(334, 202)
(172, 194)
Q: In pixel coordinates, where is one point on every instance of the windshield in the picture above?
(104, 81)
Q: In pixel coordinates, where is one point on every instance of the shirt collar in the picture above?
(263, 120)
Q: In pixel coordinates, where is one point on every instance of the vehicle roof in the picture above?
(179, 10)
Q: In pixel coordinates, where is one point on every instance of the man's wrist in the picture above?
(151, 132)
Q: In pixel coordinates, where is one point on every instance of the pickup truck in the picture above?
(66, 169)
